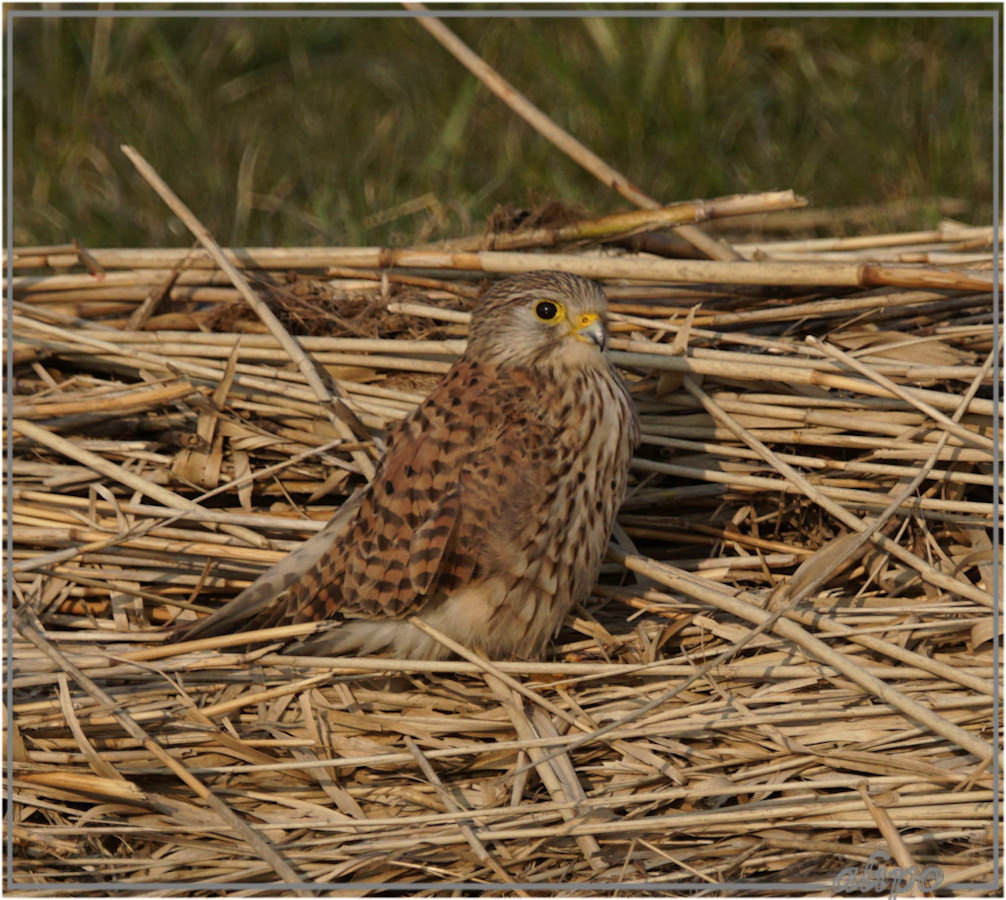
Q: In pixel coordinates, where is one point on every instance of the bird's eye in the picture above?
(546, 310)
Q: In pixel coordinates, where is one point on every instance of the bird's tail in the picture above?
(261, 604)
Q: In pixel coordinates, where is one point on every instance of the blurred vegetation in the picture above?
(335, 130)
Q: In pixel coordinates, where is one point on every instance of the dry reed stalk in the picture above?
(619, 226)
(332, 404)
(949, 232)
(807, 274)
(838, 493)
(709, 246)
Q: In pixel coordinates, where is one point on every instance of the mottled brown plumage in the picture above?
(491, 510)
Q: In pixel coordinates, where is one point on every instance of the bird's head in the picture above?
(541, 319)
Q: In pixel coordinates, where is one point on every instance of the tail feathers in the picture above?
(367, 637)
(262, 603)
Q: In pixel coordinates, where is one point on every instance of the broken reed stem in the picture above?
(465, 827)
(621, 225)
(963, 433)
(528, 111)
(491, 669)
(820, 651)
(31, 630)
(926, 571)
(98, 464)
(562, 139)
(287, 342)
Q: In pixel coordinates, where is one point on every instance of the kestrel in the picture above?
(491, 509)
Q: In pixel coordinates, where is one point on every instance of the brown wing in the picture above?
(460, 476)
(260, 604)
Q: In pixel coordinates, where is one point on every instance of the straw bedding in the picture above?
(787, 666)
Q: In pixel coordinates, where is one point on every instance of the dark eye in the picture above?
(546, 310)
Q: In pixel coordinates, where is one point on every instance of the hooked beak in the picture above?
(589, 328)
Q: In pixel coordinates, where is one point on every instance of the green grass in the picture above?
(298, 131)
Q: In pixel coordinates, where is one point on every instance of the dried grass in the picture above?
(788, 664)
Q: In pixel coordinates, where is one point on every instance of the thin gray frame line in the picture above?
(8, 484)
(997, 465)
(391, 886)
(509, 12)
(12, 14)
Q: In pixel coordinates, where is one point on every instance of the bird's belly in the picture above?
(485, 616)
(500, 618)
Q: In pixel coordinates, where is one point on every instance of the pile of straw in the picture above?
(787, 667)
